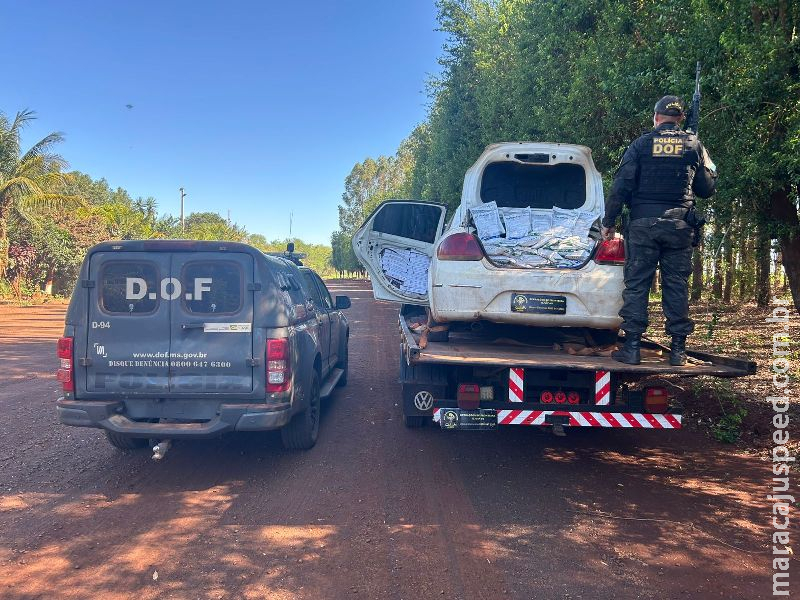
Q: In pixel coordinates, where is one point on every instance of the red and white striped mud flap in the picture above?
(586, 418)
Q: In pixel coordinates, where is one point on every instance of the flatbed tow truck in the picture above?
(479, 380)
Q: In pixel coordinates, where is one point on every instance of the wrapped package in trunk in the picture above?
(534, 237)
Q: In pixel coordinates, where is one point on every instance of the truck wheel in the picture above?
(124, 442)
(414, 421)
(301, 432)
(343, 363)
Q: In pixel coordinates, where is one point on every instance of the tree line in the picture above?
(589, 72)
(50, 217)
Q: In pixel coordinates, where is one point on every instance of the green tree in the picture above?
(589, 71)
(28, 181)
(211, 226)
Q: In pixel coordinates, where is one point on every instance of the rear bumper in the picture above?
(109, 415)
(471, 291)
(573, 417)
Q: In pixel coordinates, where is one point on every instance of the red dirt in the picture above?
(374, 510)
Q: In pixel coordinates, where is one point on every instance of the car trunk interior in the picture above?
(532, 214)
(519, 185)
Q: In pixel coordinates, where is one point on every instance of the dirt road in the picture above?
(374, 510)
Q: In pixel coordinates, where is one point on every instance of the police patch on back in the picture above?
(668, 146)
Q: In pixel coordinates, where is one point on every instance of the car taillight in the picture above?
(66, 368)
(610, 252)
(656, 400)
(460, 246)
(278, 365)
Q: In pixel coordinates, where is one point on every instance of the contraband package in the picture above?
(406, 270)
(532, 237)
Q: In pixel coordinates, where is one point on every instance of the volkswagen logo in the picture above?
(423, 400)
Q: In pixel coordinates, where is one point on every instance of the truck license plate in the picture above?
(539, 304)
(481, 419)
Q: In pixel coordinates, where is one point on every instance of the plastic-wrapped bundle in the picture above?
(556, 238)
(487, 221)
(517, 221)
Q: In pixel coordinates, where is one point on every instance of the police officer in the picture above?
(658, 178)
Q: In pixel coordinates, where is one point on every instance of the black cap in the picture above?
(669, 105)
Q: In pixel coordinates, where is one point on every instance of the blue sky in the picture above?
(257, 107)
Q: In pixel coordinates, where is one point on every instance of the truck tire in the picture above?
(302, 431)
(343, 364)
(124, 442)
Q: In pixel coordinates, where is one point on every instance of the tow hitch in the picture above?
(160, 449)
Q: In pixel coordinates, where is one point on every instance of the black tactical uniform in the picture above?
(658, 178)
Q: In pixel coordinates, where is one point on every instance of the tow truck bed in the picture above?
(465, 349)
(523, 381)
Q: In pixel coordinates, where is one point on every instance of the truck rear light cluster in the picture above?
(656, 400)
(460, 246)
(279, 375)
(468, 396)
(610, 252)
(559, 397)
(66, 369)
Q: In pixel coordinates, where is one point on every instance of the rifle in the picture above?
(693, 118)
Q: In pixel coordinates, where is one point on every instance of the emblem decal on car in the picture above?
(423, 400)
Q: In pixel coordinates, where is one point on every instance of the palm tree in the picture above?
(28, 182)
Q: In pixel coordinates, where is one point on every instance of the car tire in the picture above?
(343, 365)
(302, 431)
(124, 442)
(414, 421)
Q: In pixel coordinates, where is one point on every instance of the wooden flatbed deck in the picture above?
(463, 349)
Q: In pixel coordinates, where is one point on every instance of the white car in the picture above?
(459, 280)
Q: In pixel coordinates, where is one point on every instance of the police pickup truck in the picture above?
(169, 339)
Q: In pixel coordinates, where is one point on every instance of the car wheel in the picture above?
(124, 442)
(343, 363)
(302, 431)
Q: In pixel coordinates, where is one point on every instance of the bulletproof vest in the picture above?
(668, 160)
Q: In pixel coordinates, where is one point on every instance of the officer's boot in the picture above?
(677, 351)
(630, 353)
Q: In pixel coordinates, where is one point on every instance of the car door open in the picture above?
(395, 245)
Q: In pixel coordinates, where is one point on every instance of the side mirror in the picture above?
(342, 302)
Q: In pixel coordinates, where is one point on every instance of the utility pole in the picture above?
(183, 223)
(291, 215)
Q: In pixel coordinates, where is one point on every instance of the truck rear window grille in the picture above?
(217, 287)
(127, 288)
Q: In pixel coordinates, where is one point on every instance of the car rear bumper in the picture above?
(471, 291)
(110, 415)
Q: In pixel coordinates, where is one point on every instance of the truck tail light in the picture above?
(610, 252)
(573, 397)
(66, 369)
(561, 397)
(468, 396)
(460, 246)
(546, 397)
(656, 400)
(279, 374)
